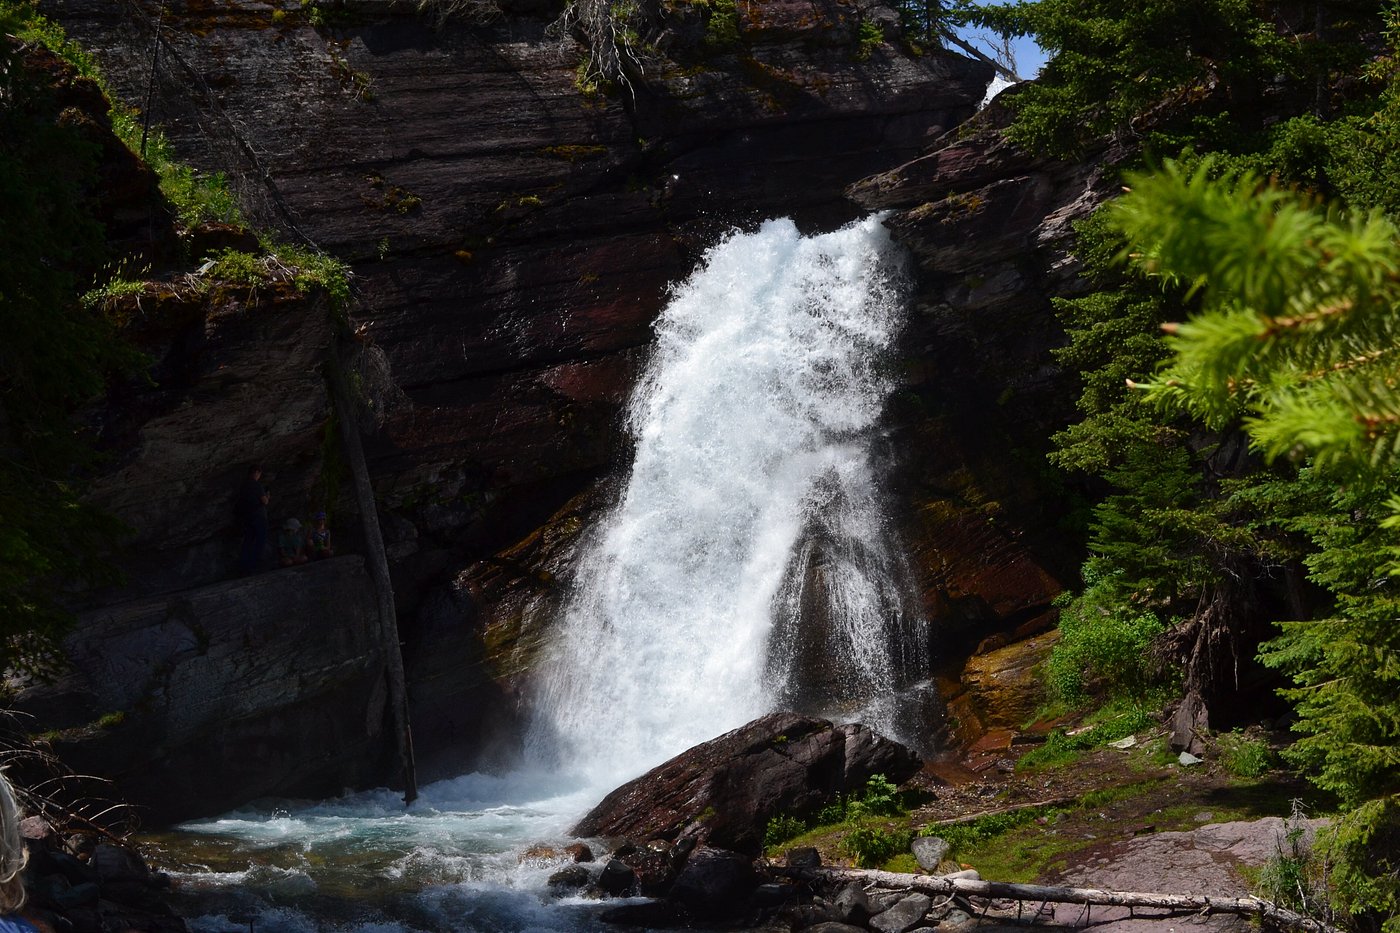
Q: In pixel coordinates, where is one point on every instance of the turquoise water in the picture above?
(450, 862)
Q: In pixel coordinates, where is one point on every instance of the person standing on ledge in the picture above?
(252, 516)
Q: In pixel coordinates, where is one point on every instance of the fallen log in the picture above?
(1016, 808)
(1054, 894)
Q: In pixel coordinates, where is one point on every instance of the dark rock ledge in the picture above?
(722, 793)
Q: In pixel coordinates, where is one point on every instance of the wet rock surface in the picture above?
(722, 793)
(991, 231)
(84, 884)
(715, 882)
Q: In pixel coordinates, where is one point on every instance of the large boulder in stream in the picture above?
(723, 792)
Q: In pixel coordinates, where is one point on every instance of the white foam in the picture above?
(754, 426)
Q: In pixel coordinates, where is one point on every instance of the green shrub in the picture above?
(870, 36)
(871, 845)
(880, 798)
(833, 813)
(1101, 643)
(721, 26)
(782, 828)
(1243, 756)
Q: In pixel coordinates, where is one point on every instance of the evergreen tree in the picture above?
(1166, 73)
(1297, 332)
(1174, 548)
(1111, 63)
(1296, 329)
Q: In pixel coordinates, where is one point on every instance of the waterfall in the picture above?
(748, 563)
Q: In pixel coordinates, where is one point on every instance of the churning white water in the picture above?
(747, 566)
(749, 540)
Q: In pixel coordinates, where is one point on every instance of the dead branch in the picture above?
(1015, 808)
(1195, 903)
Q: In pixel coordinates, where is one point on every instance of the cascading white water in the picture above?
(754, 427)
(746, 566)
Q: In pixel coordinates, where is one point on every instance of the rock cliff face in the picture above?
(991, 231)
(198, 701)
(512, 233)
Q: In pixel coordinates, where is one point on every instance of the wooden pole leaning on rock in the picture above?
(378, 562)
(1054, 894)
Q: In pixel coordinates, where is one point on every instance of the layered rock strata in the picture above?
(512, 231)
(198, 701)
(991, 230)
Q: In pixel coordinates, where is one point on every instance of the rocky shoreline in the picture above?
(84, 882)
(718, 877)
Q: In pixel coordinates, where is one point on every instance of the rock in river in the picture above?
(724, 791)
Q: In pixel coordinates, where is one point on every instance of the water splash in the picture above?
(747, 566)
(747, 563)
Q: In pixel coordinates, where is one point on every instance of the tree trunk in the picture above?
(1054, 894)
(378, 563)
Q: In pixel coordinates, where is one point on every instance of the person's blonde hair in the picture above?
(13, 854)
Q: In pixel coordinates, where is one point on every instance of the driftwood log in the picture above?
(1052, 894)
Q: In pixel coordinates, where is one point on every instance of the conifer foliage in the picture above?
(1111, 62)
(1256, 440)
(1297, 329)
(1297, 332)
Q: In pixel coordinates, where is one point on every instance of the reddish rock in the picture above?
(1003, 690)
(35, 829)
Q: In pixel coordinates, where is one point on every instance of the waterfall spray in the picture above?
(747, 563)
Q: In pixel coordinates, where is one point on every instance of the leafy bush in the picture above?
(1101, 642)
(871, 845)
(1245, 757)
(880, 798)
(833, 813)
(782, 828)
(721, 26)
(864, 839)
